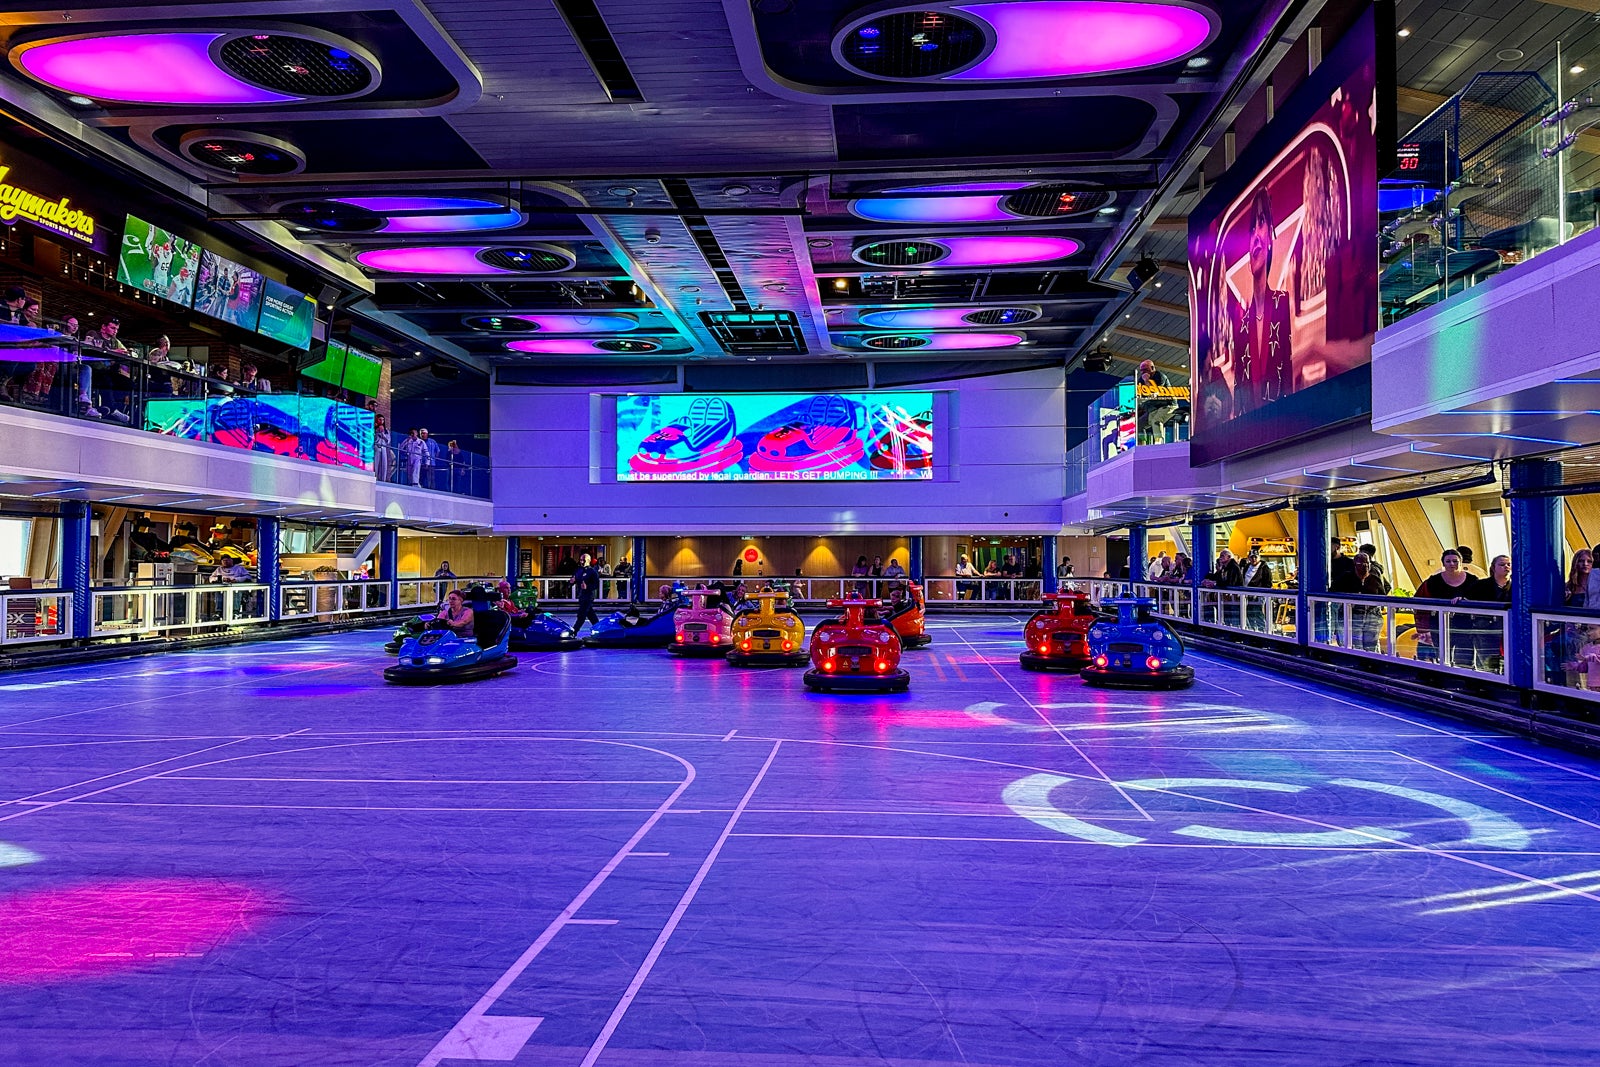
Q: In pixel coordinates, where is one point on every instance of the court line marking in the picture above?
(1067, 841)
(531, 953)
(592, 922)
(31, 802)
(643, 973)
(301, 807)
(424, 781)
(1502, 792)
(1271, 676)
(1059, 732)
(729, 735)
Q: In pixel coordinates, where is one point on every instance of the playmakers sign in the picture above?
(1151, 391)
(56, 215)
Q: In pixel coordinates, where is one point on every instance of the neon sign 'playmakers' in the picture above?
(57, 216)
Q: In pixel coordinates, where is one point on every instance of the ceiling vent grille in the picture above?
(911, 45)
(1055, 201)
(298, 66)
(756, 333)
(1001, 316)
(528, 260)
(894, 342)
(900, 253)
(589, 29)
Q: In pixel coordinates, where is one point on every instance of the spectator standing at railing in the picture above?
(965, 569)
(861, 570)
(382, 461)
(1226, 575)
(429, 454)
(117, 391)
(1255, 573)
(250, 380)
(1466, 562)
(1064, 569)
(1562, 654)
(1183, 570)
(456, 461)
(1157, 570)
(1374, 566)
(1451, 583)
(894, 570)
(411, 450)
(1488, 636)
(1340, 563)
(12, 377)
(1365, 619)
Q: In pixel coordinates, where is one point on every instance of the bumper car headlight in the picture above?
(434, 661)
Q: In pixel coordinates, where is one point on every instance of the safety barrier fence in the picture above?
(35, 615)
(1463, 639)
(1174, 602)
(153, 610)
(1262, 612)
(1566, 651)
(938, 589)
(327, 601)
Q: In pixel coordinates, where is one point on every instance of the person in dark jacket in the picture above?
(1488, 636)
(1365, 620)
(1254, 573)
(585, 586)
(1226, 575)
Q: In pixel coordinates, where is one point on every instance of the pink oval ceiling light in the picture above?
(460, 260)
(1004, 251)
(1066, 38)
(553, 346)
(142, 68)
(957, 342)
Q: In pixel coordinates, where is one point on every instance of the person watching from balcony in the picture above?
(250, 380)
(1366, 619)
(1451, 584)
(894, 570)
(428, 455)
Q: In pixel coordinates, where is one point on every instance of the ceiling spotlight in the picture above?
(1575, 69)
(735, 190)
(1198, 63)
(1404, 33)
(1509, 55)
(80, 101)
(625, 192)
(841, 283)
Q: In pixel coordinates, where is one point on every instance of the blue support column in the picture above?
(76, 572)
(1203, 550)
(1138, 553)
(1537, 544)
(389, 561)
(914, 564)
(513, 550)
(1048, 550)
(641, 581)
(1312, 552)
(267, 569)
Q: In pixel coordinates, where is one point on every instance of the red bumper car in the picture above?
(855, 654)
(1058, 634)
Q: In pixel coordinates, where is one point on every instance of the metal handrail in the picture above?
(1269, 613)
(1466, 639)
(361, 596)
(159, 609)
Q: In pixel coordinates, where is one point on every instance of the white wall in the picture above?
(998, 469)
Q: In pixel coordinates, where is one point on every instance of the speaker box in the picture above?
(447, 371)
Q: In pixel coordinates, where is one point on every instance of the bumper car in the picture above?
(1138, 651)
(907, 614)
(705, 627)
(1058, 634)
(632, 628)
(854, 655)
(701, 442)
(412, 627)
(824, 436)
(439, 657)
(767, 632)
(540, 631)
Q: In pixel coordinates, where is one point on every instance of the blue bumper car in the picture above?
(540, 631)
(634, 629)
(441, 656)
(1137, 651)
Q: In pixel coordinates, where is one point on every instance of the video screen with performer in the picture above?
(775, 437)
(1283, 267)
(228, 291)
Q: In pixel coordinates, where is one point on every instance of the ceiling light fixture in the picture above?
(465, 260)
(403, 214)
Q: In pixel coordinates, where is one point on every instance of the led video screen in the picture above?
(1283, 268)
(155, 261)
(362, 372)
(329, 368)
(1117, 419)
(228, 291)
(296, 427)
(775, 437)
(287, 315)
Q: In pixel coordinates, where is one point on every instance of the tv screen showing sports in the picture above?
(287, 315)
(155, 261)
(228, 291)
(362, 372)
(775, 437)
(329, 368)
(1283, 268)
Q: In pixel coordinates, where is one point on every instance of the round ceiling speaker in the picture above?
(627, 344)
(529, 259)
(500, 324)
(237, 152)
(894, 342)
(900, 253)
(297, 66)
(1001, 316)
(1054, 201)
(912, 45)
(332, 216)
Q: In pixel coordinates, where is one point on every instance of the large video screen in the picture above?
(155, 261)
(228, 291)
(1284, 270)
(362, 372)
(769, 437)
(297, 427)
(330, 367)
(287, 315)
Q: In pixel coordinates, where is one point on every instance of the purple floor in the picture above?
(266, 857)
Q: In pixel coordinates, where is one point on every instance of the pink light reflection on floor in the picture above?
(104, 928)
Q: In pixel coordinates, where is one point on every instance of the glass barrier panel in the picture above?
(116, 613)
(248, 604)
(1566, 650)
(376, 596)
(36, 617)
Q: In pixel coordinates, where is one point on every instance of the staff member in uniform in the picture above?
(585, 585)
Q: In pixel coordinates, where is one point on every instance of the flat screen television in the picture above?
(228, 291)
(362, 372)
(771, 437)
(153, 260)
(287, 315)
(328, 367)
(1283, 268)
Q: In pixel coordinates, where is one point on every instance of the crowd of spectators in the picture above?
(416, 459)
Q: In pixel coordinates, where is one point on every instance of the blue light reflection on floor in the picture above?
(628, 859)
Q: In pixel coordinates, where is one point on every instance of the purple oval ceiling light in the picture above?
(566, 346)
(956, 318)
(1066, 38)
(584, 323)
(142, 68)
(1005, 251)
(946, 342)
(931, 209)
(463, 214)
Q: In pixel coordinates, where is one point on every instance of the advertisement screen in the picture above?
(1119, 425)
(287, 315)
(771, 437)
(155, 261)
(297, 427)
(228, 291)
(1283, 267)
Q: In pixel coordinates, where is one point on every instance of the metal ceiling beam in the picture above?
(1165, 308)
(1153, 338)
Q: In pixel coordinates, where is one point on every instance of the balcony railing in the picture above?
(36, 615)
(1463, 639)
(327, 601)
(159, 610)
(1566, 653)
(1263, 612)
(402, 460)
